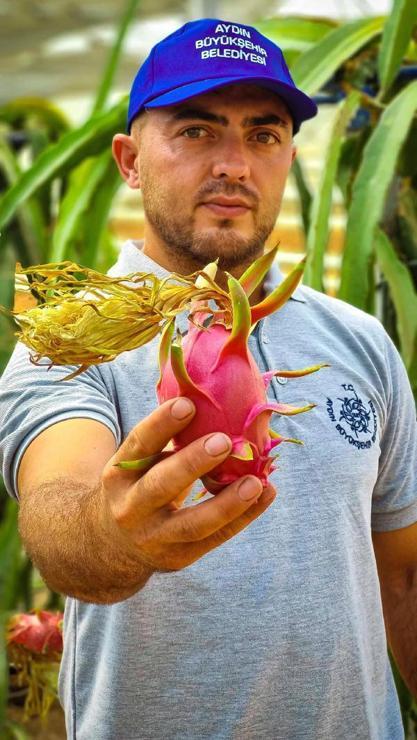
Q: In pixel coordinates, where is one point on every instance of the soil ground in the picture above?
(53, 730)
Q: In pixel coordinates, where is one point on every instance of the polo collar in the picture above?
(131, 256)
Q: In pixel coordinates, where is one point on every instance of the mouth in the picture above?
(227, 207)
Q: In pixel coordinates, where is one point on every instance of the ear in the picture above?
(126, 155)
(294, 154)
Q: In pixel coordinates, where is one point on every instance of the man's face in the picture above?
(212, 172)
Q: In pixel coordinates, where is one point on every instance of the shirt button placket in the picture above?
(264, 340)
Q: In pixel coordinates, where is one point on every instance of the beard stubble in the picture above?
(221, 242)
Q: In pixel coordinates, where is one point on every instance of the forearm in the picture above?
(62, 530)
(400, 613)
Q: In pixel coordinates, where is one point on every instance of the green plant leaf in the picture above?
(412, 374)
(10, 556)
(16, 731)
(84, 182)
(369, 192)
(97, 248)
(395, 39)
(403, 294)
(411, 51)
(29, 215)
(7, 327)
(4, 671)
(71, 149)
(318, 64)
(7, 271)
(407, 221)
(114, 58)
(407, 162)
(35, 111)
(304, 193)
(295, 32)
(318, 232)
(349, 161)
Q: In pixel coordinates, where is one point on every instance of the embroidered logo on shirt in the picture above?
(355, 420)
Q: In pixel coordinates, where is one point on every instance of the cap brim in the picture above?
(299, 104)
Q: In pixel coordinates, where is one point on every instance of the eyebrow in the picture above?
(271, 118)
(200, 114)
(186, 114)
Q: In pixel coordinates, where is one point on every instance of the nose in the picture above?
(231, 161)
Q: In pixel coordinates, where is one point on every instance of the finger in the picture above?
(166, 480)
(196, 550)
(199, 522)
(154, 432)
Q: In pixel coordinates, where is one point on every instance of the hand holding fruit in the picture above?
(144, 511)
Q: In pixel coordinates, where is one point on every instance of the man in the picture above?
(246, 615)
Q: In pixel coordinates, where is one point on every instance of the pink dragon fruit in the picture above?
(34, 649)
(38, 631)
(214, 367)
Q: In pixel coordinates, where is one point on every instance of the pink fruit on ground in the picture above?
(39, 631)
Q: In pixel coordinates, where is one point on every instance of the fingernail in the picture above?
(181, 408)
(216, 444)
(249, 488)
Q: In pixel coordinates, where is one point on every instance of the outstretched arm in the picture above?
(98, 532)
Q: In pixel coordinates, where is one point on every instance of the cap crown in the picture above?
(209, 53)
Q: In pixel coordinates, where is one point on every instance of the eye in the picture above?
(266, 137)
(194, 132)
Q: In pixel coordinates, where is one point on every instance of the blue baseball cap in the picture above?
(206, 54)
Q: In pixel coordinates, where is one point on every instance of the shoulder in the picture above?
(327, 315)
(326, 329)
(324, 306)
(354, 338)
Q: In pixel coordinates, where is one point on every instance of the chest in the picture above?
(339, 460)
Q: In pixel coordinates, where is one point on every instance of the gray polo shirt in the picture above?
(279, 632)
